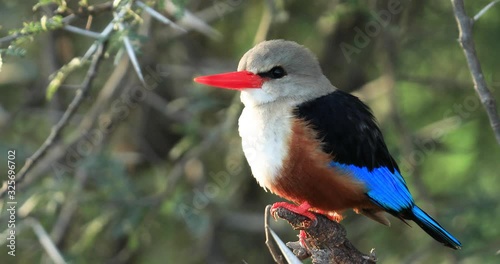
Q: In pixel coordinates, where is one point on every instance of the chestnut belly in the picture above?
(306, 176)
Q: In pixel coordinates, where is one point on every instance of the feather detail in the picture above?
(374, 214)
(433, 228)
(385, 188)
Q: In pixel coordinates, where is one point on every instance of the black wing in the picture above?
(348, 130)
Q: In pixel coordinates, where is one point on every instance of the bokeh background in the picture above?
(157, 174)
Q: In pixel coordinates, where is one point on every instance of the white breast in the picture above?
(265, 131)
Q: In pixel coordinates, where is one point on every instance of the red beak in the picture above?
(232, 80)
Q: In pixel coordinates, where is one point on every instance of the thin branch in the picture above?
(131, 55)
(45, 241)
(191, 21)
(93, 10)
(486, 8)
(103, 36)
(82, 13)
(274, 253)
(63, 122)
(66, 20)
(10, 37)
(159, 16)
(83, 32)
(465, 24)
(326, 241)
(112, 86)
(289, 256)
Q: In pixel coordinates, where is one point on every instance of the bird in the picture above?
(315, 145)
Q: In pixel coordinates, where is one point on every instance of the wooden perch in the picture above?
(326, 241)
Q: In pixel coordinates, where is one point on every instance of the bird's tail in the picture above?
(433, 228)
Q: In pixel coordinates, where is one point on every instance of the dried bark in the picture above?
(326, 241)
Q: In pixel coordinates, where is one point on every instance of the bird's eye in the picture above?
(277, 72)
(274, 73)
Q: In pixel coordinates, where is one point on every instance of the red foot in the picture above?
(301, 210)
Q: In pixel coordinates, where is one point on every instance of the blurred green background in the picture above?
(157, 175)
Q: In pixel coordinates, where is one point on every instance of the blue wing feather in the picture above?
(385, 188)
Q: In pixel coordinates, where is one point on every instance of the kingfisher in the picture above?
(315, 145)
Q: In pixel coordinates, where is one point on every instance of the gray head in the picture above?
(291, 73)
(281, 70)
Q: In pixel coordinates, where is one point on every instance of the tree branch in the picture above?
(269, 243)
(326, 241)
(49, 246)
(465, 25)
(63, 122)
(7, 39)
(486, 8)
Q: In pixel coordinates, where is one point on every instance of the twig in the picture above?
(63, 122)
(287, 252)
(131, 54)
(327, 242)
(112, 86)
(66, 20)
(93, 10)
(82, 13)
(83, 32)
(45, 241)
(191, 21)
(486, 8)
(159, 16)
(10, 37)
(465, 24)
(274, 253)
(103, 36)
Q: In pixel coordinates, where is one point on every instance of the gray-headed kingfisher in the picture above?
(313, 144)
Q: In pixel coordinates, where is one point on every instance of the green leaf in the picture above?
(60, 76)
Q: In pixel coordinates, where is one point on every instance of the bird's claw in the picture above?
(274, 213)
(300, 210)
